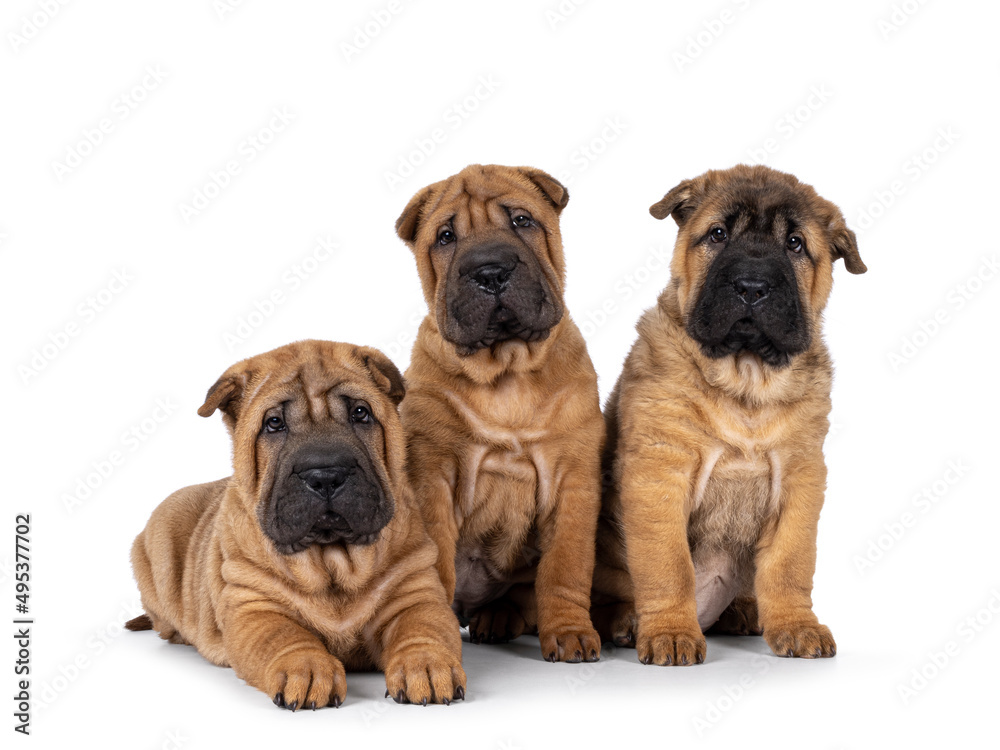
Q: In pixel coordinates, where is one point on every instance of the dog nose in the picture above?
(492, 277)
(751, 290)
(325, 480)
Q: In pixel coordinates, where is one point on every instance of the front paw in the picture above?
(671, 646)
(422, 677)
(570, 644)
(808, 640)
(305, 679)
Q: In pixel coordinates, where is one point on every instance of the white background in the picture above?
(889, 81)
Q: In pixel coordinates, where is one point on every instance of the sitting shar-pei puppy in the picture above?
(716, 426)
(502, 414)
(311, 559)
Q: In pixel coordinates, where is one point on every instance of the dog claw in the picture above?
(446, 702)
(387, 692)
(279, 700)
(292, 706)
(460, 693)
(312, 705)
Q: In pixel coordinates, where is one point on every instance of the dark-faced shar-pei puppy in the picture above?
(716, 426)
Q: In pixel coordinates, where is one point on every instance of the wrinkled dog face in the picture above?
(758, 248)
(326, 488)
(489, 255)
(314, 426)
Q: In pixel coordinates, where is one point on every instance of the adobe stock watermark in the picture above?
(654, 266)
(899, 15)
(84, 314)
(120, 109)
(954, 301)
(913, 170)
(6, 570)
(100, 470)
(584, 675)
(698, 42)
(68, 673)
(404, 339)
(366, 32)
(786, 126)
(938, 660)
(559, 13)
(224, 8)
(731, 694)
(291, 280)
(32, 24)
(249, 149)
(452, 120)
(173, 739)
(585, 154)
(922, 503)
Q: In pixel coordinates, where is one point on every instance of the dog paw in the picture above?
(680, 647)
(807, 640)
(624, 626)
(305, 679)
(419, 677)
(739, 618)
(497, 622)
(571, 645)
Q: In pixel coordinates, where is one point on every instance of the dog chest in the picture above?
(735, 492)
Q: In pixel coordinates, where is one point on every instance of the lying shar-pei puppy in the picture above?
(312, 558)
(716, 426)
(502, 414)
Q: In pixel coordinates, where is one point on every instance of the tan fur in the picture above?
(720, 456)
(505, 443)
(291, 624)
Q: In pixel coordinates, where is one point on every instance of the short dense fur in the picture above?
(502, 412)
(716, 426)
(291, 575)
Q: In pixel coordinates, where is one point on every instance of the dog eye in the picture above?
(521, 220)
(274, 424)
(795, 244)
(361, 415)
(718, 235)
(446, 237)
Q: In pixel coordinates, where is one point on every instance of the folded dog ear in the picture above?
(844, 244)
(551, 188)
(225, 394)
(385, 374)
(679, 203)
(408, 222)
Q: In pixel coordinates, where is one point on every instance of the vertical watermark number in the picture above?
(22, 623)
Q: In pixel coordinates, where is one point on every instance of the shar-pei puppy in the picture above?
(311, 559)
(716, 426)
(502, 413)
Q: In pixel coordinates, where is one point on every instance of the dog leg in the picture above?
(418, 646)
(655, 480)
(786, 561)
(566, 570)
(277, 655)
